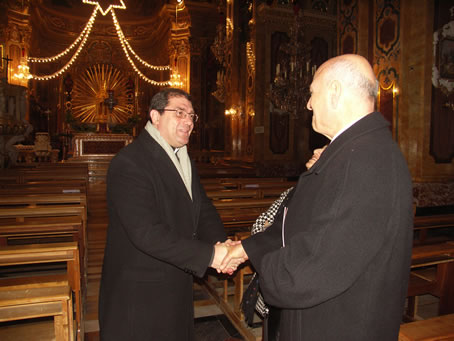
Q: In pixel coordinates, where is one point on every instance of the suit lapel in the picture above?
(164, 164)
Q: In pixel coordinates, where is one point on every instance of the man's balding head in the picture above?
(344, 90)
(356, 73)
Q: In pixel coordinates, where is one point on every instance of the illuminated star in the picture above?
(106, 3)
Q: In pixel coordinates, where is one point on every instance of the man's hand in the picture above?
(220, 251)
(235, 256)
(315, 157)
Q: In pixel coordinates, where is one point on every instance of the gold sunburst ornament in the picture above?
(90, 103)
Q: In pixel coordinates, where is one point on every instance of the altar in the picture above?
(90, 146)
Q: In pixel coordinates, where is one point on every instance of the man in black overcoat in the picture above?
(162, 230)
(337, 258)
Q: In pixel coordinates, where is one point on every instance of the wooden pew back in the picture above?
(50, 253)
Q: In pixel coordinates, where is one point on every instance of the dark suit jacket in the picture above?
(343, 272)
(157, 239)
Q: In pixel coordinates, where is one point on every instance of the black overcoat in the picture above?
(157, 239)
(343, 272)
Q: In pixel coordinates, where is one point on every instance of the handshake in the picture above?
(228, 256)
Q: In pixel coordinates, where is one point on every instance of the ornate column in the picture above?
(17, 41)
(179, 47)
(271, 27)
(198, 60)
(234, 108)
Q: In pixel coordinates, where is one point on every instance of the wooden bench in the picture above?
(46, 221)
(27, 175)
(242, 204)
(215, 184)
(240, 213)
(41, 254)
(240, 180)
(259, 193)
(233, 193)
(66, 186)
(13, 232)
(432, 271)
(423, 224)
(28, 303)
(35, 199)
(439, 328)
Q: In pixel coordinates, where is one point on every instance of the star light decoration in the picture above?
(83, 37)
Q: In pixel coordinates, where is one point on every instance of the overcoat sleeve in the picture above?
(337, 223)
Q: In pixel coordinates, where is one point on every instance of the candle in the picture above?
(307, 67)
(278, 67)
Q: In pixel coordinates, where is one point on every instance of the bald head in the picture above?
(344, 90)
(355, 72)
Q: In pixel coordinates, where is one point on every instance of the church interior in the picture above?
(77, 77)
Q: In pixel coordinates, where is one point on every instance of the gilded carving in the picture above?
(348, 27)
(443, 50)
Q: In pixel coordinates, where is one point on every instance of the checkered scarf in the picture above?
(259, 226)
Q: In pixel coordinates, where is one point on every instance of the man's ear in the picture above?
(335, 91)
(155, 116)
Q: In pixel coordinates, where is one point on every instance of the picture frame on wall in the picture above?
(446, 58)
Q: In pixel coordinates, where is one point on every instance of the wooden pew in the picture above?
(233, 193)
(61, 186)
(245, 193)
(239, 214)
(439, 328)
(28, 303)
(282, 186)
(51, 228)
(241, 180)
(215, 184)
(37, 199)
(242, 204)
(47, 253)
(47, 220)
(433, 266)
(27, 175)
(423, 224)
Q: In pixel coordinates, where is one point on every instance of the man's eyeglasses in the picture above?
(182, 115)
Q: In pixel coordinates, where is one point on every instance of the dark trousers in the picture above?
(271, 325)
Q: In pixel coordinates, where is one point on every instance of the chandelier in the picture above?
(82, 39)
(290, 88)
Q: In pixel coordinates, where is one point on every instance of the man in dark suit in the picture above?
(162, 230)
(337, 258)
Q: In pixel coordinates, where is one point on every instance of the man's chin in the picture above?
(183, 142)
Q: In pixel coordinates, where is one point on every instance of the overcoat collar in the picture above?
(367, 124)
(166, 165)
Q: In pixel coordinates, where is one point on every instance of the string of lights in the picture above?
(144, 63)
(71, 61)
(122, 40)
(66, 51)
(82, 39)
(111, 6)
